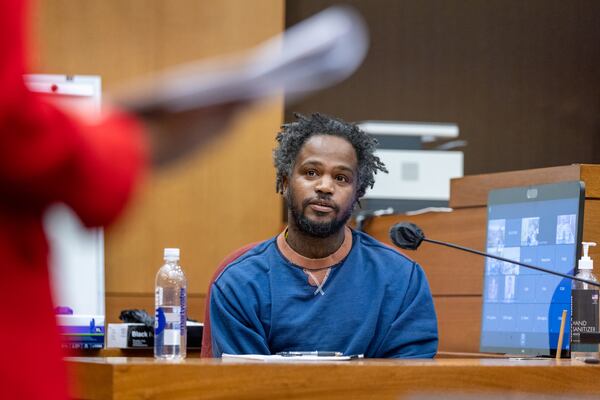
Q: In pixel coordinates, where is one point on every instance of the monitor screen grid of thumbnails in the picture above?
(522, 307)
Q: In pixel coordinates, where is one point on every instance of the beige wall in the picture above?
(209, 204)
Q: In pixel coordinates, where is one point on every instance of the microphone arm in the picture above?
(481, 253)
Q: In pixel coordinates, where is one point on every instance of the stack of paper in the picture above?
(295, 359)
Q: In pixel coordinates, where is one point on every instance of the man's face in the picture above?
(322, 189)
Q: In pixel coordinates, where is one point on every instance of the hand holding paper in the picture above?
(187, 104)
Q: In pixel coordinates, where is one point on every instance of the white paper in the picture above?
(311, 55)
(278, 358)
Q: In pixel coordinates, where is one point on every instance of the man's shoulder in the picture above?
(390, 264)
(380, 249)
(251, 260)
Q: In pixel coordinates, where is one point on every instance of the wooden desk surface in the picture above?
(145, 378)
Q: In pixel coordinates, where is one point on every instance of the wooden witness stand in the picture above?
(456, 277)
(456, 282)
(143, 378)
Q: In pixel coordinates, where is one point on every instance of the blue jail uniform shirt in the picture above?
(375, 302)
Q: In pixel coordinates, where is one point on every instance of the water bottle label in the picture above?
(183, 311)
(166, 318)
(173, 316)
(159, 321)
(585, 313)
(172, 337)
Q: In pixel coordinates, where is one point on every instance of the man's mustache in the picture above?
(323, 201)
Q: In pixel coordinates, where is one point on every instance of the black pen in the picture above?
(355, 356)
(310, 353)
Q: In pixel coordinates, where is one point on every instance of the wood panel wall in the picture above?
(209, 204)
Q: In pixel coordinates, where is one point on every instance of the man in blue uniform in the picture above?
(319, 285)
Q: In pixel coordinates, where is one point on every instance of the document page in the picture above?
(294, 359)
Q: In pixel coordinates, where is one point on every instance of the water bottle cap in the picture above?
(171, 254)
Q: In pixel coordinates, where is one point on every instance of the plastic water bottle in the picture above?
(171, 311)
(584, 315)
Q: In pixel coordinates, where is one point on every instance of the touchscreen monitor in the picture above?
(522, 308)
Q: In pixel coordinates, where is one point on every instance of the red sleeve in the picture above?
(47, 156)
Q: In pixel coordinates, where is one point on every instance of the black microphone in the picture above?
(406, 235)
(409, 236)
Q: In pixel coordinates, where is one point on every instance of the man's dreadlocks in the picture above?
(294, 134)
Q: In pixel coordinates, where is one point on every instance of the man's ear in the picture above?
(284, 185)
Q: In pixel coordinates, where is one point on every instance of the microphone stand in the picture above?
(481, 253)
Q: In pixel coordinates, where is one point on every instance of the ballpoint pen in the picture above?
(356, 356)
(310, 353)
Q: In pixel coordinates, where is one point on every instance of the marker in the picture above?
(310, 353)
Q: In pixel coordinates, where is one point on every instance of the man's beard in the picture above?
(312, 228)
